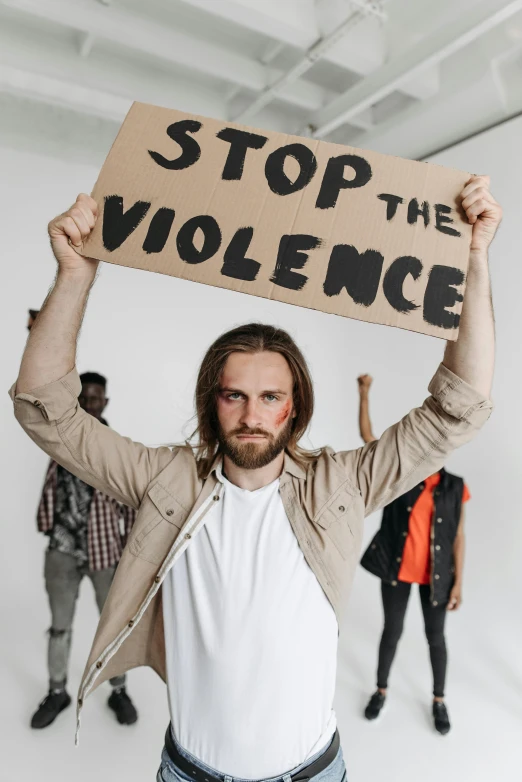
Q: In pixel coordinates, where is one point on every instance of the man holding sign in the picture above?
(243, 552)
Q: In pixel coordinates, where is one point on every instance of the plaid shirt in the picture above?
(108, 526)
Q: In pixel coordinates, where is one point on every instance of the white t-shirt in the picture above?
(251, 641)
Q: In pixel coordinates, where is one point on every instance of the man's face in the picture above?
(92, 399)
(255, 408)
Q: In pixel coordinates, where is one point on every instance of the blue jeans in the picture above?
(169, 772)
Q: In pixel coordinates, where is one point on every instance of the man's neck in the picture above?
(253, 479)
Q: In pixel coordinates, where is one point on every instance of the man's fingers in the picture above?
(87, 200)
(65, 225)
(81, 221)
(474, 183)
(479, 193)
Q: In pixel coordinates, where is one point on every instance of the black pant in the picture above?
(394, 601)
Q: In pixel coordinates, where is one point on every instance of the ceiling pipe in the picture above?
(391, 75)
(361, 10)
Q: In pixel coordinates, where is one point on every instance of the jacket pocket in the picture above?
(158, 524)
(334, 518)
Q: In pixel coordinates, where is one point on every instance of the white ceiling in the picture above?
(401, 76)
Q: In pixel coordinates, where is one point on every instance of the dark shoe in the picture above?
(374, 706)
(122, 706)
(55, 702)
(440, 718)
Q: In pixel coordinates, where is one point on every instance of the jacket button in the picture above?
(131, 623)
(435, 603)
(188, 536)
(157, 580)
(374, 545)
(404, 534)
(437, 548)
(437, 576)
(398, 559)
(80, 702)
(215, 497)
(99, 664)
(170, 512)
(342, 508)
(409, 509)
(36, 403)
(439, 520)
(394, 583)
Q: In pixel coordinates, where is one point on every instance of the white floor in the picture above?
(484, 697)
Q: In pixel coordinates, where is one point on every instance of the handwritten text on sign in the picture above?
(311, 223)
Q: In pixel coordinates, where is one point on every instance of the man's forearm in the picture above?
(472, 356)
(50, 352)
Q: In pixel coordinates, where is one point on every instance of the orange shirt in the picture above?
(416, 558)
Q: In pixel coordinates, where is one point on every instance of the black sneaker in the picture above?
(55, 702)
(122, 706)
(440, 718)
(374, 706)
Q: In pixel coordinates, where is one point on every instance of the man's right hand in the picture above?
(364, 382)
(69, 230)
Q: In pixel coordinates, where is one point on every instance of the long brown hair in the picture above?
(251, 338)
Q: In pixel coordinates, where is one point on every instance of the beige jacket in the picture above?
(326, 504)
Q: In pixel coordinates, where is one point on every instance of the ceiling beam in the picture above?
(428, 52)
(63, 93)
(137, 33)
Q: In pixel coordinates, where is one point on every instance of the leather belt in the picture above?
(196, 773)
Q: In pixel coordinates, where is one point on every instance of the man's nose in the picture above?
(251, 417)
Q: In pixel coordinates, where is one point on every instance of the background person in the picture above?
(87, 532)
(421, 541)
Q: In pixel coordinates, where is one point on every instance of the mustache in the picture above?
(246, 430)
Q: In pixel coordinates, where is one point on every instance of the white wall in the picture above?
(147, 333)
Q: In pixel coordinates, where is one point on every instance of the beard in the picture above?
(253, 456)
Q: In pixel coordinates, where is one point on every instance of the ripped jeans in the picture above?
(63, 575)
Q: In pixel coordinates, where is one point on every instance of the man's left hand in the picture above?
(482, 211)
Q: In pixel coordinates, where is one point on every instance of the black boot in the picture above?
(122, 706)
(374, 706)
(55, 702)
(440, 718)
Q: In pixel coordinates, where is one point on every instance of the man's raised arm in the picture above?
(50, 353)
(46, 393)
(472, 356)
(459, 404)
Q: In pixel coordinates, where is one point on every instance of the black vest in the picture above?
(383, 556)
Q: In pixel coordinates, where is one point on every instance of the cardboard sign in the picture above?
(320, 225)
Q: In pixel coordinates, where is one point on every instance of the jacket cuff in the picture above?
(53, 399)
(458, 399)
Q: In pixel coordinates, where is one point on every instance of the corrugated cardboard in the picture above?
(180, 199)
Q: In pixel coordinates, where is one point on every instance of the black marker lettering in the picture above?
(236, 264)
(394, 281)
(441, 210)
(278, 181)
(240, 141)
(117, 224)
(334, 181)
(191, 151)
(392, 202)
(159, 230)
(440, 294)
(414, 211)
(293, 254)
(187, 250)
(359, 273)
